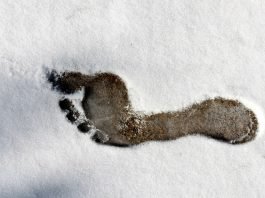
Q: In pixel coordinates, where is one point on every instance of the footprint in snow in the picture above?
(109, 113)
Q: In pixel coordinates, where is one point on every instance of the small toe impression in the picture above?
(72, 116)
(84, 127)
(100, 137)
(66, 104)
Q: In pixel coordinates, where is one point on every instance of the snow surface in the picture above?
(170, 53)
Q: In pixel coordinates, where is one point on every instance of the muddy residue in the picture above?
(108, 110)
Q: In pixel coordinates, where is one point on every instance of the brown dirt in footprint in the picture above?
(107, 106)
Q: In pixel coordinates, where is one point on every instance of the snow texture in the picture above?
(170, 53)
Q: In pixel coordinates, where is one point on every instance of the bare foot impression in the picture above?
(109, 113)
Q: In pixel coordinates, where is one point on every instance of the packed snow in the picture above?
(170, 54)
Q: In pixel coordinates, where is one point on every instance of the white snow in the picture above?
(170, 53)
